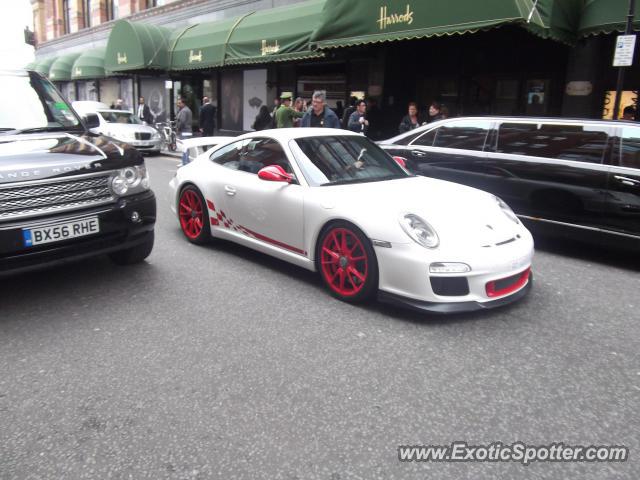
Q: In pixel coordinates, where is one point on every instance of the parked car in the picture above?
(123, 125)
(192, 147)
(65, 193)
(334, 202)
(575, 176)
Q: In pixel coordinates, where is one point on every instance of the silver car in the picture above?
(122, 125)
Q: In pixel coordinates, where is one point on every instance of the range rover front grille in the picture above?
(36, 198)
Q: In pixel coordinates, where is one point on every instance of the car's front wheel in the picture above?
(193, 215)
(347, 262)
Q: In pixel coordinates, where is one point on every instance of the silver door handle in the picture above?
(230, 190)
(418, 153)
(630, 182)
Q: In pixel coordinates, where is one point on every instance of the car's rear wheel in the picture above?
(194, 219)
(347, 262)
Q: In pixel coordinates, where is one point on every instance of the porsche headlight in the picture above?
(130, 180)
(419, 230)
(506, 209)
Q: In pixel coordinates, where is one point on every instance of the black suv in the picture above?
(571, 175)
(65, 193)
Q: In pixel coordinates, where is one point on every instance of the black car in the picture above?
(65, 193)
(575, 176)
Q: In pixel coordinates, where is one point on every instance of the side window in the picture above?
(582, 143)
(263, 152)
(466, 135)
(408, 139)
(630, 151)
(426, 140)
(228, 156)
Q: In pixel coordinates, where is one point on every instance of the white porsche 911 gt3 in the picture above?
(334, 202)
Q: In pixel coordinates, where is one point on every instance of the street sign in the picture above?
(623, 56)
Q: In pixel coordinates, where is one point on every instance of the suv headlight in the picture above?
(419, 230)
(155, 136)
(506, 209)
(130, 180)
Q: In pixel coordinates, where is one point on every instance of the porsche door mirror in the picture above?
(274, 173)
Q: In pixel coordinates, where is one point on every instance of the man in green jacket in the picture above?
(285, 114)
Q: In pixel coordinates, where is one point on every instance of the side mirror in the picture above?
(91, 120)
(274, 173)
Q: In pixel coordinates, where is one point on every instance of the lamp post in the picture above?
(619, 85)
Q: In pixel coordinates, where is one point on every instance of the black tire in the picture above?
(192, 197)
(134, 254)
(355, 289)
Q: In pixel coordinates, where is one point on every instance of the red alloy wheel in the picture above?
(191, 212)
(344, 262)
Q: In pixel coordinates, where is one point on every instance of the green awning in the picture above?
(31, 65)
(358, 22)
(606, 16)
(60, 70)
(89, 65)
(137, 46)
(277, 34)
(202, 45)
(43, 65)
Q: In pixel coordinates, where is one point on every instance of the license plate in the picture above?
(60, 231)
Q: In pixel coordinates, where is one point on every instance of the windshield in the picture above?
(31, 103)
(120, 117)
(336, 160)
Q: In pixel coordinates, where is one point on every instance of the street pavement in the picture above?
(218, 362)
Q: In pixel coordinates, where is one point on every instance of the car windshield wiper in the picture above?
(347, 181)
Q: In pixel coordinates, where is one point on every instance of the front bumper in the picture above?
(117, 232)
(455, 307)
(146, 145)
(493, 278)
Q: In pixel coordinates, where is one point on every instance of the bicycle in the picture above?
(167, 132)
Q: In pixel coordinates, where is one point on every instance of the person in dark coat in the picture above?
(436, 112)
(263, 119)
(320, 115)
(207, 118)
(144, 113)
(358, 121)
(411, 120)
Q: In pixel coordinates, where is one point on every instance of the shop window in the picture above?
(466, 135)
(66, 16)
(112, 9)
(567, 142)
(86, 13)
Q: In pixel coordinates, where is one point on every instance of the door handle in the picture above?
(418, 153)
(629, 182)
(230, 190)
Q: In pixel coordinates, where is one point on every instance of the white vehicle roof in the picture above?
(285, 134)
(199, 141)
(88, 105)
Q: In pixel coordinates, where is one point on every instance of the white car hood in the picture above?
(460, 215)
(128, 127)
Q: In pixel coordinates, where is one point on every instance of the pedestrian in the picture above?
(347, 112)
(358, 121)
(184, 118)
(276, 105)
(285, 114)
(263, 119)
(120, 105)
(411, 120)
(320, 115)
(144, 113)
(207, 117)
(339, 109)
(435, 112)
(629, 113)
(298, 106)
